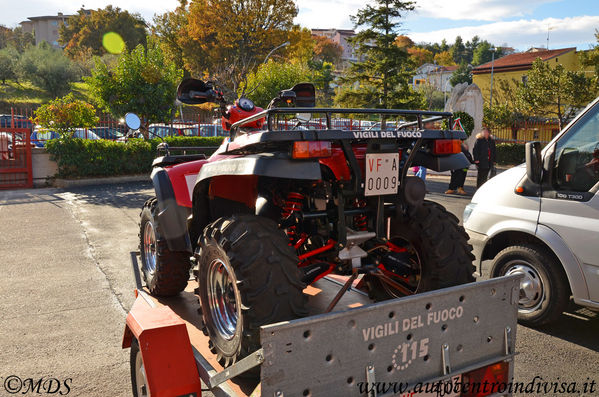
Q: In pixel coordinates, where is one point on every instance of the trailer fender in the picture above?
(165, 348)
(171, 216)
(441, 163)
(262, 165)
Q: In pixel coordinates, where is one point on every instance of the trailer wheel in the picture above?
(544, 291)
(248, 277)
(165, 272)
(139, 381)
(439, 250)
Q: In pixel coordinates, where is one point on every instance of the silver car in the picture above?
(541, 220)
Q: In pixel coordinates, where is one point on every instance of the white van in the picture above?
(541, 219)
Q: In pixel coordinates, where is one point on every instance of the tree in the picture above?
(591, 58)
(86, 29)
(64, 115)
(463, 74)
(327, 50)
(227, 39)
(420, 56)
(169, 28)
(323, 77)
(555, 92)
(8, 60)
(403, 41)
(458, 51)
(48, 68)
(444, 58)
(301, 45)
(483, 53)
(383, 74)
(16, 38)
(143, 82)
(272, 77)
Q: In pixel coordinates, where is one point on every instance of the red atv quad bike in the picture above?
(289, 198)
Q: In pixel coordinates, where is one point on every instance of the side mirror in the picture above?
(132, 121)
(533, 161)
(195, 92)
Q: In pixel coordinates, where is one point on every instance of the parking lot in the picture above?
(67, 286)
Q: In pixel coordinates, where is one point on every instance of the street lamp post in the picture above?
(285, 44)
(493, 49)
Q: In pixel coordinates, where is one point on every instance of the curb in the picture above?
(68, 183)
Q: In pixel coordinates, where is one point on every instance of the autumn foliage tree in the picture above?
(227, 39)
(87, 28)
(327, 50)
(64, 115)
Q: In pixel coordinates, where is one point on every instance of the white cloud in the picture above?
(479, 10)
(524, 33)
(327, 14)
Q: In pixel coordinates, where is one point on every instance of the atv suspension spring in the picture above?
(360, 221)
(293, 204)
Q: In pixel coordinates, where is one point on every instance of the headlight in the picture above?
(468, 211)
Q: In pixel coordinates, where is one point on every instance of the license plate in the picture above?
(382, 174)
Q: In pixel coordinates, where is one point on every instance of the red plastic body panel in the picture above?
(165, 348)
(338, 165)
(240, 188)
(236, 114)
(183, 178)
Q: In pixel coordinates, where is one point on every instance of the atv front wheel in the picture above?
(248, 277)
(439, 253)
(165, 272)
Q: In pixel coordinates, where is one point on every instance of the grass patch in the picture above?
(25, 95)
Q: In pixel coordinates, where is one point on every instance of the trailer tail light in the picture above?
(311, 149)
(447, 146)
(486, 381)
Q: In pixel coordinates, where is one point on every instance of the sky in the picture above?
(518, 23)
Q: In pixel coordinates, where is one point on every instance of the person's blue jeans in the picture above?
(421, 173)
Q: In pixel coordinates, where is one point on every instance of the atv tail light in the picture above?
(485, 381)
(447, 146)
(311, 149)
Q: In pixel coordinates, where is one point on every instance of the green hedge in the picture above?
(510, 153)
(82, 158)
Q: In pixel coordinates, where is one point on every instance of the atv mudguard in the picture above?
(441, 163)
(266, 164)
(172, 217)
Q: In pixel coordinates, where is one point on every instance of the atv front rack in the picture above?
(429, 337)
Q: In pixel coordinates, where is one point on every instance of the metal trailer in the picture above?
(422, 345)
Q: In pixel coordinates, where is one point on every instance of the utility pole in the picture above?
(493, 49)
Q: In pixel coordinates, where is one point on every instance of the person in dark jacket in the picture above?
(484, 155)
(458, 177)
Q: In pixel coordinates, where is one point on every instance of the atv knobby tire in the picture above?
(262, 285)
(441, 245)
(171, 272)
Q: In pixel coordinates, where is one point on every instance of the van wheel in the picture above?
(544, 292)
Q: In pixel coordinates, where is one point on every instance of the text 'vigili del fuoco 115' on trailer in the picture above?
(295, 227)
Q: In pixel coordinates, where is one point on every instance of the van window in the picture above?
(576, 165)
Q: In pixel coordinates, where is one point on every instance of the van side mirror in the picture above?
(533, 161)
(196, 92)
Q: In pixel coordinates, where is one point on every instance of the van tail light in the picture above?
(447, 146)
(485, 381)
(311, 149)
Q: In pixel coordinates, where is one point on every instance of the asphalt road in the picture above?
(66, 286)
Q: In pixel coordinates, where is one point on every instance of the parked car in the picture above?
(110, 133)
(19, 121)
(40, 136)
(164, 130)
(541, 220)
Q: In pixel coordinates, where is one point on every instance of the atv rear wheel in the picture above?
(248, 277)
(439, 252)
(165, 272)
